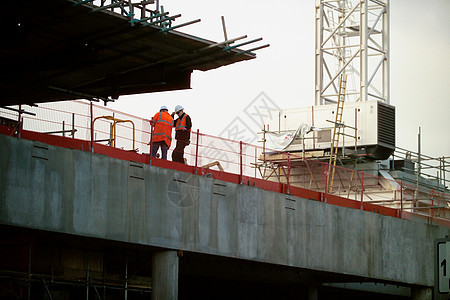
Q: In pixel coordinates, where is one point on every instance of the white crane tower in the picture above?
(352, 38)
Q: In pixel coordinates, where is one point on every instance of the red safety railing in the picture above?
(233, 161)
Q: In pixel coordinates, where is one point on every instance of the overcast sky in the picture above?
(420, 66)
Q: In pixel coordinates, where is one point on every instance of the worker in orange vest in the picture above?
(162, 131)
(183, 127)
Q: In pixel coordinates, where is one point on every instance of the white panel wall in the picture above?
(361, 114)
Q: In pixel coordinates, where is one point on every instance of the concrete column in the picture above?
(421, 293)
(313, 293)
(165, 275)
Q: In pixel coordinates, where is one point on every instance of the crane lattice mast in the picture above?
(352, 38)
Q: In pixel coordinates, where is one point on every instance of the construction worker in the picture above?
(162, 131)
(183, 127)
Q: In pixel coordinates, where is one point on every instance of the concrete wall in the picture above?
(76, 192)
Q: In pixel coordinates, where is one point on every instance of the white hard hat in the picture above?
(178, 108)
(163, 107)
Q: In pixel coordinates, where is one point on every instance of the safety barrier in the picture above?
(63, 118)
(230, 160)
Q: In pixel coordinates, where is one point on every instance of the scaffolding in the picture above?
(391, 185)
(66, 267)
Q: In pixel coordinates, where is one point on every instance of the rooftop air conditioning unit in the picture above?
(371, 122)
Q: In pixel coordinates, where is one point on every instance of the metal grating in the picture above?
(386, 125)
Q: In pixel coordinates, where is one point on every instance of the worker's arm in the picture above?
(154, 119)
(188, 123)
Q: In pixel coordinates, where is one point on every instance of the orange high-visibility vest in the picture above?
(163, 127)
(181, 123)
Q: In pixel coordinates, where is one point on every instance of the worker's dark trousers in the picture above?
(178, 152)
(163, 146)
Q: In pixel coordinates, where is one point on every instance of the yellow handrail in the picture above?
(115, 121)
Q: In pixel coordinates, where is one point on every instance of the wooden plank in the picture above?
(216, 163)
(284, 156)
